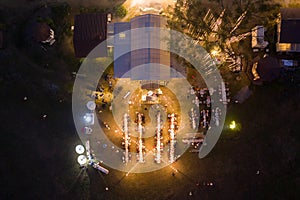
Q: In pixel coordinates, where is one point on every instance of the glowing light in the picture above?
(214, 52)
(82, 159)
(232, 125)
(149, 3)
(79, 149)
(91, 105)
(89, 118)
(136, 2)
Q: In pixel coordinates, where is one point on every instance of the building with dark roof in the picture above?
(288, 30)
(89, 30)
(266, 69)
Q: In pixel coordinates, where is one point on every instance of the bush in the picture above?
(50, 22)
(61, 11)
(121, 11)
(3, 26)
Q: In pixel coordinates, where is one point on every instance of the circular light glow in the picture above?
(232, 125)
(82, 159)
(88, 118)
(91, 105)
(79, 149)
(214, 52)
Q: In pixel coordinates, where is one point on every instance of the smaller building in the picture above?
(288, 34)
(258, 34)
(90, 30)
(266, 69)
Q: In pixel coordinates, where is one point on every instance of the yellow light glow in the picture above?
(214, 52)
(148, 3)
(122, 35)
(232, 125)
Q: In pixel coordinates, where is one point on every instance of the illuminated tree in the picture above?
(215, 25)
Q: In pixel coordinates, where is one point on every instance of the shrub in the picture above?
(121, 11)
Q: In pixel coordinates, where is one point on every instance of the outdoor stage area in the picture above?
(144, 126)
(141, 154)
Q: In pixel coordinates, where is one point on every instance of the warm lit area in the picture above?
(148, 3)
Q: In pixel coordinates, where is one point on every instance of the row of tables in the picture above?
(171, 130)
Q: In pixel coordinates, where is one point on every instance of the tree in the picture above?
(121, 11)
(214, 26)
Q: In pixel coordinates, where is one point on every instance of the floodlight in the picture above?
(232, 125)
(89, 118)
(79, 149)
(82, 159)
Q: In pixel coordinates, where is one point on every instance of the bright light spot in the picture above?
(88, 118)
(232, 125)
(149, 3)
(82, 159)
(91, 105)
(122, 35)
(214, 52)
(79, 149)
(136, 2)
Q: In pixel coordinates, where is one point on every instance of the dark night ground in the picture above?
(38, 159)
